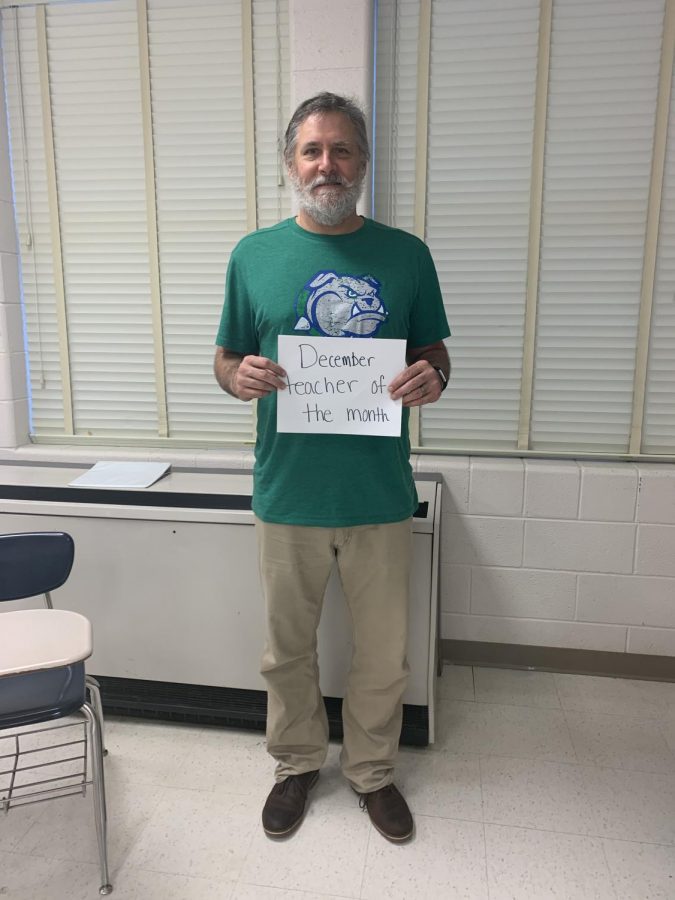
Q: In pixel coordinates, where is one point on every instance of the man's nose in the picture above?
(326, 162)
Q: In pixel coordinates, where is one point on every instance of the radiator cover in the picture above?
(169, 579)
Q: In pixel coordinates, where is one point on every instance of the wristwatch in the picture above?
(441, 375)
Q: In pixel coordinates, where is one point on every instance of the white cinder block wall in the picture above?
(560, 553)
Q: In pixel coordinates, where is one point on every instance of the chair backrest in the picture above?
(34, 563)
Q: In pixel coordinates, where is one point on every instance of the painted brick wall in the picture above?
(560, 553)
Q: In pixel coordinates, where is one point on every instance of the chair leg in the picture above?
(94, 690)
(98, 781)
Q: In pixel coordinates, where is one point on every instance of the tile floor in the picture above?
(539, 786)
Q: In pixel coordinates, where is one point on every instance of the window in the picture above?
(144, 145)
(548, 210)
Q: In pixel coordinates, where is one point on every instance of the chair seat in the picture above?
(36, 639)
(40, 696)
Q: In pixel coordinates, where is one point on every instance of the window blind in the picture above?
(659, 424)
(91, 92)
(22, 86)
(481, 112)
(197, 119)
(394, 151)
(600, 91)
(602, 99)
(272, 108)
(98, 144)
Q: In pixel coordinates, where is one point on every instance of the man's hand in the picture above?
(420, 383)
(247, 377)
(257, 376)
(417, 385)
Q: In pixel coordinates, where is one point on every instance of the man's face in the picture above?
(328, 170)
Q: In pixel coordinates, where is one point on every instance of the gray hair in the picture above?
(321, 104)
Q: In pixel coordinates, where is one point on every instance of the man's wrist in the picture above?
(233, 380)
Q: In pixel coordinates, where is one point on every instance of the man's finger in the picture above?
(406, 387)
(261, 362)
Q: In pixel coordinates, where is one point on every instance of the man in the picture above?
(321, 498)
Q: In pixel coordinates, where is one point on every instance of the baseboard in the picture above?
(207, 705)
(559, 659)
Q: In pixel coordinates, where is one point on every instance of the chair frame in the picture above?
(93, 687)
(88, 749)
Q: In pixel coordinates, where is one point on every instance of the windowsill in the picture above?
(230, 458)
(242, 456)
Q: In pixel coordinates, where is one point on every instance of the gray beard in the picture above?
(329, 207)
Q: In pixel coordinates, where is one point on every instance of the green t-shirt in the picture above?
(382, 283)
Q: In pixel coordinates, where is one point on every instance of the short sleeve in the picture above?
(428, 321)
(237, 323)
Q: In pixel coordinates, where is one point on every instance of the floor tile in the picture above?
(667, 726)
(74, 880)
(140, 884)
(632, 806)
(440, 784)
(446, 859)
(152, 752)
(332, 788)
(456, 683)
(611, 696)
(259, 892)
(536, 794)
(236, 762)
(641, 870)
(620, 743)
(38, 878)
(514, 687)
(26, 878)
(196, 833)
(660, 694)
(529, 865)
(67, 828)
(487, 728)
(15, 824)
(326, 854)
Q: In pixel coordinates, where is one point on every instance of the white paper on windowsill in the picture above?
(125, 475)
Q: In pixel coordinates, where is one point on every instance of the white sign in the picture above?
(339, 385)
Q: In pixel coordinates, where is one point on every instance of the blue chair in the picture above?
(42, 680)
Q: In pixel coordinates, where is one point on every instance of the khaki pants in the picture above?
(374, 566)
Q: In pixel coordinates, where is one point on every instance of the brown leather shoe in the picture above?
(285, 805)
(389, 813)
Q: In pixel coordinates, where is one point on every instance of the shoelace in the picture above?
(363, 799)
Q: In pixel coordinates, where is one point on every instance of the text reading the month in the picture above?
(309, 356)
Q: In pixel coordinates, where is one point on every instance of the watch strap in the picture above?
(442, 376)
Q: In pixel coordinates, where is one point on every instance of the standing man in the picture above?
(322, 498)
